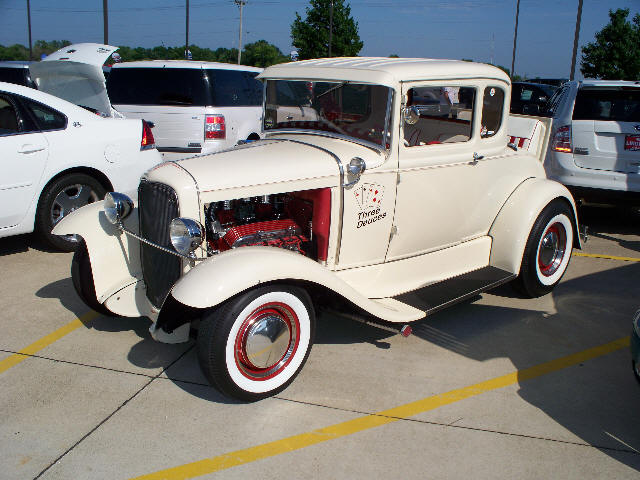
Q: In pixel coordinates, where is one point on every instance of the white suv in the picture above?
(595, 144)
(197, 107)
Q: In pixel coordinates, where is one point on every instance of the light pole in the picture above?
(186, 42)
(515, 39)
(29, 23)
(105, 15)
(575, 41)
(240, 3)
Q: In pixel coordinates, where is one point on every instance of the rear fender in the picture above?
(511, 228)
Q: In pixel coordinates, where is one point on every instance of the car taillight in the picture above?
(562, 140)
(214, 128)
(147, 141)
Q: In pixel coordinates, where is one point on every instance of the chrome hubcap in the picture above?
(70, 199)
(266, 341)
(552, 248)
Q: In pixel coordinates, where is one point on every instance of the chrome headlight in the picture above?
(186, 235)
(636, 323)
(117, 207)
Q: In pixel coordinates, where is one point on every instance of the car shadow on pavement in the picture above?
(595, 401)
(22, 243)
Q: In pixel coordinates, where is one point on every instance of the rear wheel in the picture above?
(254, 345)
(60, 198)
(548, 251)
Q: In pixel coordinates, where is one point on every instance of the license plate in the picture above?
(632, 142)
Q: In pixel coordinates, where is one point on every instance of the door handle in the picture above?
(476, 157)
(28, 148)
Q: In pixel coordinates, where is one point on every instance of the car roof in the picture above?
(185, 64)
(15, 63)
(385, 71)
(587, 83)
(47, 99)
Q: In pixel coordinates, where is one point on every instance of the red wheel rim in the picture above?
(267, 341)
(551, 249)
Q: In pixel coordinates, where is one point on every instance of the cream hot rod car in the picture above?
(397, 185)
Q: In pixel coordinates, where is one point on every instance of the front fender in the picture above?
(115, 257)
(511, 228)
(222, 276)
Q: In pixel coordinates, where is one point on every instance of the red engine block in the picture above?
(274, 233)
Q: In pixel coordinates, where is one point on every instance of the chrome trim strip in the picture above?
(159, 247)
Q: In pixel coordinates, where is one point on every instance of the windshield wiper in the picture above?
(340, 85)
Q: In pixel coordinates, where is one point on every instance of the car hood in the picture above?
(284, 163)
(74, 73)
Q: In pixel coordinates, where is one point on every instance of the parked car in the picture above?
(556, 82)
(56, 157)
(595, 146)
(16, 71)
(356, 198)
(635, 345)
(530, 98)
(197, 107)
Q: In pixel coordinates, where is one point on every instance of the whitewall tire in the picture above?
(548, 250)
(254, 345)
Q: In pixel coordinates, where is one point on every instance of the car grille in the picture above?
(157, 206)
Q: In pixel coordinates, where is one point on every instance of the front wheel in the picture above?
(548, 251)
(254, 345)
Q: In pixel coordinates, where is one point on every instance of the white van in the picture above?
(197, 107)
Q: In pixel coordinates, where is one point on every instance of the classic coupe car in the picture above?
(363, 196)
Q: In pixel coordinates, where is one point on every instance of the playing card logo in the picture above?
(368, 195)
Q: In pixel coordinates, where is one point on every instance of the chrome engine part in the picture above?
(280, 220)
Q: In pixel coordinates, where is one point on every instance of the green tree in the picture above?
(262, 54)
(615, 54)
(311, 36)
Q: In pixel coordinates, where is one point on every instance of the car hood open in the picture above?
(75, 74)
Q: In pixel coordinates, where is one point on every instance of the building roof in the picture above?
(385, 71)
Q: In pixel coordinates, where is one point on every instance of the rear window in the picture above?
(183, 87)
(14, 75)
(612, 105)
(158, 86)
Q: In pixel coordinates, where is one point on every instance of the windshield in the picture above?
(353, 109)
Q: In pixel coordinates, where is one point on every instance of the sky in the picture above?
(481, 30)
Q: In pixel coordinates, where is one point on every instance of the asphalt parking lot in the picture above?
(497, 387)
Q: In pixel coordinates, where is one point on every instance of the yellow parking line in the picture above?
(297, 442)
(609, 257)
(44, 342)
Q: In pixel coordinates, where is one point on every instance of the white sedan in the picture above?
(56, 157)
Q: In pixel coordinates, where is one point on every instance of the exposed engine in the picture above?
(284, 220)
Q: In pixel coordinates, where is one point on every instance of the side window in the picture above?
(492, 104)
(255, 87)
(235, 88)
(9, 124)
(46, 118)
(439, 114)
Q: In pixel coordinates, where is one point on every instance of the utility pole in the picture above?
(575, 41)
(330, 27)
(186, 42)
(515, 39)
(29, 23)
(240, 3)
(105, 15)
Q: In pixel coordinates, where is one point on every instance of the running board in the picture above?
(437, 296)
